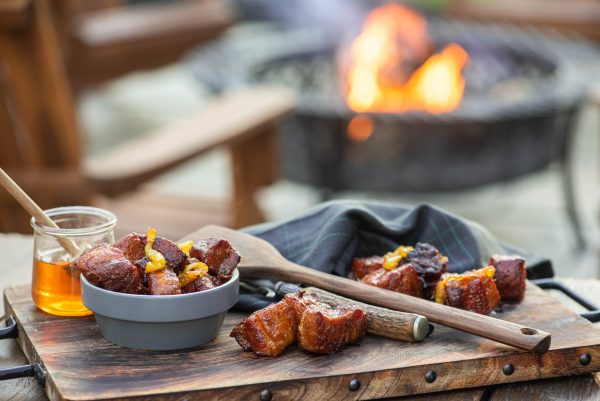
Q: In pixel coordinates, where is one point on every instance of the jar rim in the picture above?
(109, 223)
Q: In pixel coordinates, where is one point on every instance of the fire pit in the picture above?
(521, 92)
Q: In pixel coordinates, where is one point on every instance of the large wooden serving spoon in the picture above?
(261, 260)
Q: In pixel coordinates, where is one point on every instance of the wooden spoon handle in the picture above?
(484, 326)
(34, 210)
(401, 326)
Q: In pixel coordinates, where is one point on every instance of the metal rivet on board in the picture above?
(585, 359)
(353, 384)
(430, 376)
(508, 369)
(266, 395)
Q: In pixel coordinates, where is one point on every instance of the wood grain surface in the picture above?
(81, 365)
(565, 388)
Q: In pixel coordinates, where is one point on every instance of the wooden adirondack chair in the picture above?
(40, 143)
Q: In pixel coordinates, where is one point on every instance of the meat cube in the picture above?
(267, 332)
(299, 301)
(106, 267)
(475, 295)
(429, 264)
(141, 266)
(319, 327)
(132, 246)
(474, 291)
(174, 256)
(163, 282)
(219, 256)
(403, 279)
(325, 330)
(363, 266)
(510, 276)
(200, 284)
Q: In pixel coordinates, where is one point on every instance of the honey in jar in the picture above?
(55, 286)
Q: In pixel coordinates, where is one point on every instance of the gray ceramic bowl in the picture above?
(160, 322)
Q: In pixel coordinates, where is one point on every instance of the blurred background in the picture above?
(182, 113)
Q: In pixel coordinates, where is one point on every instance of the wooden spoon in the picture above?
(35, 211)
(261, 260)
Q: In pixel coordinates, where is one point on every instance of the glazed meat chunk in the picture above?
(267, 332)
(163, 282)
(403, 279)
(429, 264)
(219, 256)
(132, 246)
(511, 277)
(299, 301)
(200, 284)
(141, 266)
(325, 330)
(318, 327)
(174, 256)
(106, 267)
(474, 291)
(363, 266)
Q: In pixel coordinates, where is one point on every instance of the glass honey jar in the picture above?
(55, 284)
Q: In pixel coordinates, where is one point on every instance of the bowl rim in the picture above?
(147, 296)
(160, 308)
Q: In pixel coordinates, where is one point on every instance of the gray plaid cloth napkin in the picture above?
(329, 235)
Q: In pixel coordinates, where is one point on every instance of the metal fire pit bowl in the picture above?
(523, 89)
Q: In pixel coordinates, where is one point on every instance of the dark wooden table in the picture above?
(17, 251)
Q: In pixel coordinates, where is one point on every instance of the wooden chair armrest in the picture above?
(14, 13)
(109, 43)
(228, 120)
(580, 16)
(142, 23)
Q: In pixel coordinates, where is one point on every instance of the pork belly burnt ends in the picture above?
(267, 332)
(402, 279)
(474, 290)
(510, 276)
(413, 271)
(219, 256)
(164, 268)
(318, 327)
(106, 267)
(363, 266)
(133, 245)
(323, 329)
(163, 282)
(429, 264)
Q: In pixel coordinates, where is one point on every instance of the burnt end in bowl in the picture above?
(107, 267)
(218, 255)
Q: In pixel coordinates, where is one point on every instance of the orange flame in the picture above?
(380, 77)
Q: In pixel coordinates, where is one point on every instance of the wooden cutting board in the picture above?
(80, 365)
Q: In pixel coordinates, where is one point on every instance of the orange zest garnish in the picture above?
(185, 247)
(191, 272)
(391, 260)
(157, 260)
